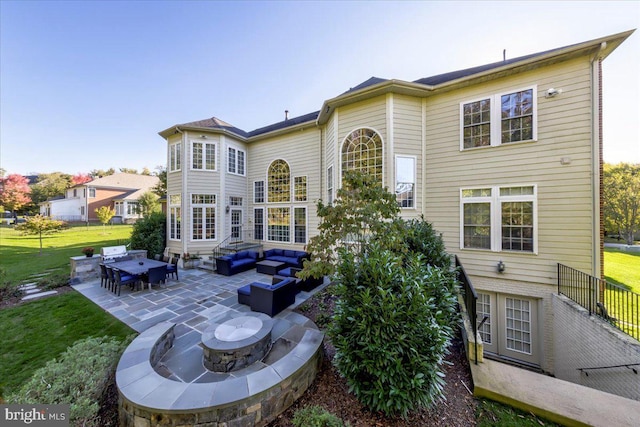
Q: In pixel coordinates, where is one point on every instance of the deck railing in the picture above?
(470, 300)
(615, 304)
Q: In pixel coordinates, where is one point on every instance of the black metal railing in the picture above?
(470, 302)
(615, 304)
(630, 366)
(238, 241)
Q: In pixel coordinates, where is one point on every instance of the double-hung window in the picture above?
(174, 157)
(499, 119)
(203, 155)
(499, 218)
(405, 181)
(236, 161)
(175, 217)
(203, 216)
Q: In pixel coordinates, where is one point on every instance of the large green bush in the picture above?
(150, 233)
(391, 328)
(78, 378)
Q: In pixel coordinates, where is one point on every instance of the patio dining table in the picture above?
(137, 267)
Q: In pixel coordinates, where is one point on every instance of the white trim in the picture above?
(306, 189)
(173, 150)
(244, 162)
(204, 143)
(253, 189)
(203, 206)
(415, 173)
(306, 224)
(341, 146)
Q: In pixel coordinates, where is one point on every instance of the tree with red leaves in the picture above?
(80, 178)
(14, 192)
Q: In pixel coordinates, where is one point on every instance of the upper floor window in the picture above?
(174, 157)
(236, 161)
(362, 151)
(499, 119)
(300, 189)
(235, 201)
(499, 218)
(279, 182)
(405, 181)
(330, 184)
(203, 155)
(258, 192)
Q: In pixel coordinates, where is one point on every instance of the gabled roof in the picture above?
(124, 181)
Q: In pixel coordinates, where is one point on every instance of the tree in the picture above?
(362, 209)
(14, 192)
(621, 199)
(149, 203)
(80, 178)
(98, 173)
(105, 213)
(161, 188)
(150, 233)
(50, 185)
(146, 171)
(129, 170)
(40, 226)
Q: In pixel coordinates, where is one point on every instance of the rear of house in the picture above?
(504, 160)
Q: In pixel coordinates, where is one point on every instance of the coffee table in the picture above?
(269, 267)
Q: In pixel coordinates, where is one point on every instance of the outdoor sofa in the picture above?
(290, 257)
(269, 299)
(231, 264)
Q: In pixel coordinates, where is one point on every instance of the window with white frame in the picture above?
(175, 217)
(258, 192)
(499, 218)
(203, 217)
(203, 155)
(499, 119)
(133, 208)
(258, 224)
(92, 192)
(235, 201)
(330, 185)
(405, 181)
(362, 151)
(236, 161)
(279, 224)
(174, 157)
(300, 224)
(278, 182)
(300, 189)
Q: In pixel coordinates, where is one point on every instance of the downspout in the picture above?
(597, 166)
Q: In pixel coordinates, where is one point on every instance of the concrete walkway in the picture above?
(556, 400)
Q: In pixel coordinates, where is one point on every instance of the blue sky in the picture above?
(88, 85)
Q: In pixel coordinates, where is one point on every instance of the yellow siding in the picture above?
(565, 214)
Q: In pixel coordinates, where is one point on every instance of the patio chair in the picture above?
(104, 277)
(157, 275)
(125, 279)
(172, 268)
(111, 280)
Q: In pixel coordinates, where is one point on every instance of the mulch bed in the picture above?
(330, 390)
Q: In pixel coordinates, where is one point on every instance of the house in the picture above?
(120, 191)
(504, 159)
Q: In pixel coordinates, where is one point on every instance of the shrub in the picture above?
(316, 416)
(78, 378)
(149, 233)
(53, 280)
(390, 331)
(8, 290)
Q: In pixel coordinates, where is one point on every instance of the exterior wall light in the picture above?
(227, 209)
(501, 266)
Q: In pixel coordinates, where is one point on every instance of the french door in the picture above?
(236, 224)
(511, 327)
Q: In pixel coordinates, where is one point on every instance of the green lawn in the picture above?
(20, 257)
(622, 268)
(38, 331)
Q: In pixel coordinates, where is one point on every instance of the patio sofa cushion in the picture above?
(269, 299)
(303, 285)
(231, 264)
(290, 257)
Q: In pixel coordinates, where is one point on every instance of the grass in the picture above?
(623, 269)
(20, 254)
(38, 331)
(490, 413)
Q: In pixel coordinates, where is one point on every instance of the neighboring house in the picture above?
(120, 191)
(504, 159)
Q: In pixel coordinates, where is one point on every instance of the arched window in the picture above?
(362, 151)
(279, 182)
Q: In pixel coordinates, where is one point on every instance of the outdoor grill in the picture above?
(110, 253)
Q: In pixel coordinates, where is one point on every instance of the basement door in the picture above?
(511, 328)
